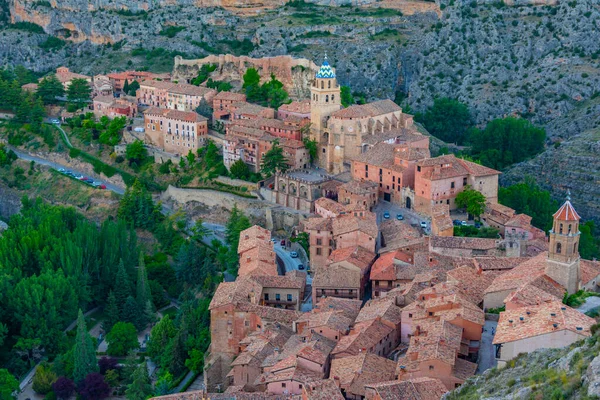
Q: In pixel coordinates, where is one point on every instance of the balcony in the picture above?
(281, 301)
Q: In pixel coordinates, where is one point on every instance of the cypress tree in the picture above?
(84, 360)
(112, 313)
(126, 86)
(140, 387)
(122, 288)
(131, 313)
(143, 293)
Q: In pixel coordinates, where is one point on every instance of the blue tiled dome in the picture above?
(325, 71)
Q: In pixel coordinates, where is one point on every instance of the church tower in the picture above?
(563, 254)
(325, 100)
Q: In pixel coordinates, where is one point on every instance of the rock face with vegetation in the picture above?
(569, 373)
(536, 60)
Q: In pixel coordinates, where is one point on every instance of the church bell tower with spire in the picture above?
(325, 100)
(563, 253)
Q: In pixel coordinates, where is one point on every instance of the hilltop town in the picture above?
(372, 270)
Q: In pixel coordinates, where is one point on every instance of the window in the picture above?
(283, 384)
(558, 248)
(319, 251)
(464, 181)
(289, 297)
(246, 323)
(451, 185)
(266, 296)
(277, 297)
(418, 168)
(560, 230)
(319, 242)
(409, 315)
(431, 367)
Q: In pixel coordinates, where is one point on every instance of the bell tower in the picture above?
(325, 100)
(563, 253)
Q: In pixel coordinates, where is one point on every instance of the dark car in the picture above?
(282, 242)
(300, 266)
(456, 222)
(399, 217)
(477, 224)
(386, 215)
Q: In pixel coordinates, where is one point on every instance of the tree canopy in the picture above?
(50, 88)
(121, 339)
(528, 198)
(471, 200)
(447, 119)
(79, 91)
(274, 160)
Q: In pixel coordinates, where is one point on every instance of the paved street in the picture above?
(410, 216)
(487, 351)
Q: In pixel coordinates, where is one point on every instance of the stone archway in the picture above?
(408, 202)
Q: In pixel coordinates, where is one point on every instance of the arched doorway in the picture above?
(408, 203)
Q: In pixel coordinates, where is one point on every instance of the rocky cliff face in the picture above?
(538, 59)
(295, 73)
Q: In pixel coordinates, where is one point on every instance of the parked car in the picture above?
(477, 224)
(80, 177)
(456, 222)
(282, 242)
(87, 179)
(102, 187)
(464, 223)
(423, 224)
(55, 121)
(293, 254)
(62, 170)
(274, 240)
(300, 266)
(386, 215)
(399, 217)
(95, 184)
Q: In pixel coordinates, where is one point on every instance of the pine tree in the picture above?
(122, 288)
(143, 294)
(126, 86)
(149, 314)
(274, 160)
(140, 387)
(84, 355)
(112, 312)
(131, 313)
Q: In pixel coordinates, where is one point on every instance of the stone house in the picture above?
(175, 131)
(358, 228)
(441, 223)
(65, 76)
(547, 325)
(117, 79)
(438, 180)
(327, 208)
(112, 107)
(355, 372)
(417, 388)
(326, 389)
(359, 194)
(457, 246)
(299, 188)
(222, 103)
(300, 109)
(185, 97)
(332, 324)
(344, 275)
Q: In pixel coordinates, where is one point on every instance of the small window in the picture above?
(431, 367)
(451, 185)
(418, 168)
(410, 315)
(282, 385)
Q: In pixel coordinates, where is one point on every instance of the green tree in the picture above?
(160, 336)
(346, 96)
(471, 200)
(112, 312)
(313, 148)
(3, 333)
(133, 88)
(251, 78)
(274, 93)
(140, 388)
(506, 141)
(132, 313)
(528, 198)
(195, 362)
(143, 294)
(137, 208)
(79, 91)
(447, 119)
(163, 384)
(9, 386)
(204, 108)
(126, 86)
(274, 160)
(136, 152)
(49, 89)
(122, 288)
(589, 244)
(84, 361)
(44, 378)
(121, 339)
(36, 116)
(239, 170)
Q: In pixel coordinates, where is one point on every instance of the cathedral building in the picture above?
(343, 133)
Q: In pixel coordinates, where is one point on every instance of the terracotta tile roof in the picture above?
(368, 110)
(318, 224)
(566, 213)
(32, 86)
(449, 308)
(529, 295)
(360, 187)
(588, 270)
(230, 96)
(254, 236)
(349, 223)
(325, 389)
(384, 308)
(469, 243)
(363, 337)
(449, 166)
(398, 232)
(188, 116)
(394, 135)
(248, 108)
(440, 217)
(383, 268)
(358, 256)
(472, 281)
(270, 313)
(68, 76)
(519, 221)
(491, 263)
(242, 290)
(381, 155)
(464, 369)
(313, 346)
(349, 307)
(300, 107)
(335, 320)
(258, 260)
(422, 388)
(425, 261)
(330, 205)
(532, 271)
(355, 372)
(336, 276)
(240, 130)
(231, 395)
(527, 322)
(190, 90)
(295, 373)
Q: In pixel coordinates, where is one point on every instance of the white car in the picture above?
(293, 254)
(55, 122)
(423, 224)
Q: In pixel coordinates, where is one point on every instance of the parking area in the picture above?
(408, 216)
